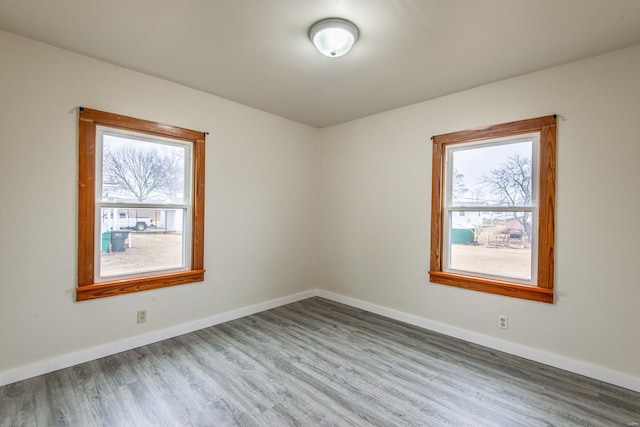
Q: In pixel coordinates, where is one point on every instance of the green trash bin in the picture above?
(106, 239)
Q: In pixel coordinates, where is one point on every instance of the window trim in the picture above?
(87, 288)
(543, 289)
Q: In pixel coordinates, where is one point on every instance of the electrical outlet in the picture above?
(142, 316)
(503, 321)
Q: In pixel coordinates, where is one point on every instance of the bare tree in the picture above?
(511, 185)
(137, 170)
(459, 187)
(174, 173)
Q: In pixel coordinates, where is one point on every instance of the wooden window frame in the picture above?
(542, 290)
(87, 288)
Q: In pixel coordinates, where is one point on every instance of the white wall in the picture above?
(261, 177)
(375, 200)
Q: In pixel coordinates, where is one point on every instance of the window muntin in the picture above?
(452, 196)
(164, 220)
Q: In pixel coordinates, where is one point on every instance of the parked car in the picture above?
(127, 222)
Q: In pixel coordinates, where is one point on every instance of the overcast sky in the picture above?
(475, 161)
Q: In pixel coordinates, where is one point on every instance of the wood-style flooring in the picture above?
(315, 363)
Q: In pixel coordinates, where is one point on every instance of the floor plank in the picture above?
(315, 363)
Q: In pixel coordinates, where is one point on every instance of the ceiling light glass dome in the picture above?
(333, 37)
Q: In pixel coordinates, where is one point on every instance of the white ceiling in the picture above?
(256, 52)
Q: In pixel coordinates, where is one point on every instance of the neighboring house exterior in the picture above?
(164, 219)
(515, 229)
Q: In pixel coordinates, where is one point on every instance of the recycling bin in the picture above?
(106, 237)
(117, 240)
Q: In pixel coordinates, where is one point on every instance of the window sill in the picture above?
(534, 293)
(120, 287)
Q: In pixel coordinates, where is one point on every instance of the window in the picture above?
(140, 205)
(505, 175)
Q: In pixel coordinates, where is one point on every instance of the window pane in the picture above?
(494, 243)
(492, 174)
(135, 170)
(141, 240)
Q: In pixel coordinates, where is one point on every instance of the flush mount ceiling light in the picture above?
(333, 36)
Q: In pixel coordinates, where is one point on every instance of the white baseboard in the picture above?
(92, 353)
(96, 352)
(557, 361)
